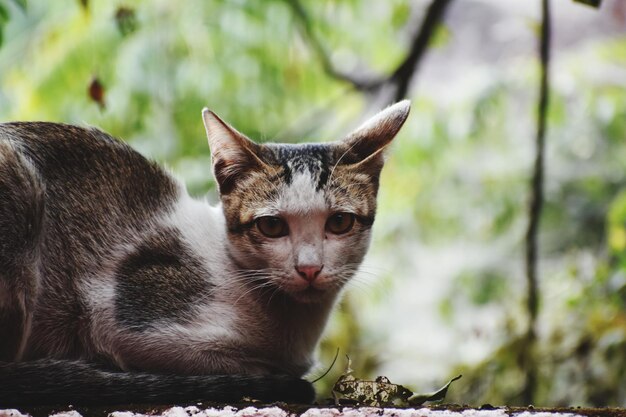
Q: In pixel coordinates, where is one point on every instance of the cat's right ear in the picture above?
(233, 155)
(364, 147)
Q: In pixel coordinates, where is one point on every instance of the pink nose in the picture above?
(309, 272)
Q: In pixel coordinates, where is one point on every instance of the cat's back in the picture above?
(73, 161)
(92, 196)
(95, 187)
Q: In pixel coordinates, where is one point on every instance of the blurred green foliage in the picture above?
(457, 175)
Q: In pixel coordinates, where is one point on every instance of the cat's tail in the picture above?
(56, 382)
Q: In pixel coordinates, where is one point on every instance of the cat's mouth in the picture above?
(302, 292)
(309, 295)
(308, 292)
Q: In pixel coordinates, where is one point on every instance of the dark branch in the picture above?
(401, 77)
(536, 202)
(306, 26)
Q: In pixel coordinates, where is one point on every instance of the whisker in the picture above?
(276, 291)
(332, 171)
(252, 289)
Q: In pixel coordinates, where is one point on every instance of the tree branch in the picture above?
(401, 77)
(361, 84)
(536, 204)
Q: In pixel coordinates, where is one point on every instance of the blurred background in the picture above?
(444, 289)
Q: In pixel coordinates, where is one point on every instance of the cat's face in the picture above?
(299, 217)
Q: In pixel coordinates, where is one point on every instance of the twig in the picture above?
(536, 205)
(401, 77)
(307, 29)
(327, 370)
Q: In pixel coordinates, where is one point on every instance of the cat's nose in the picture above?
(309, 272)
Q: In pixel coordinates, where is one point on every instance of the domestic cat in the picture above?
(117, 287)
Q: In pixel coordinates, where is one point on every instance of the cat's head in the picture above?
(299, 217)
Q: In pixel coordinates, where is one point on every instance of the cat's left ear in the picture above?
(233, 155)
(364, 146)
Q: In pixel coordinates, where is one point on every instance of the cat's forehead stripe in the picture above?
(313, 159)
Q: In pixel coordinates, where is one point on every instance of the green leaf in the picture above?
(22, 4)
(440, 395)
(592, 3)
(400, 15)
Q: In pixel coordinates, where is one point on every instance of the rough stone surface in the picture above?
(275, 411)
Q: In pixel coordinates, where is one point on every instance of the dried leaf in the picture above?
(378, 393)
(96, 92)
(381, 392)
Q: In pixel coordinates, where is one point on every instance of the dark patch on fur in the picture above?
(161, 279)
(311, 157)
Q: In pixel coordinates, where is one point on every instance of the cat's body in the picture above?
(105, 260)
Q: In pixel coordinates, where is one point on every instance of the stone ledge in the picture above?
(277, 411)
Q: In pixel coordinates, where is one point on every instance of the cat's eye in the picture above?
(340, 223)
(272, 226)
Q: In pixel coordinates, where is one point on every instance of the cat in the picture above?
(117, 287)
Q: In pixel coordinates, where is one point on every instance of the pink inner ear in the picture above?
(233, 154)
(230, 170)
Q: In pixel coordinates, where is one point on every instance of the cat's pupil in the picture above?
(272, 226)
(340, 223)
